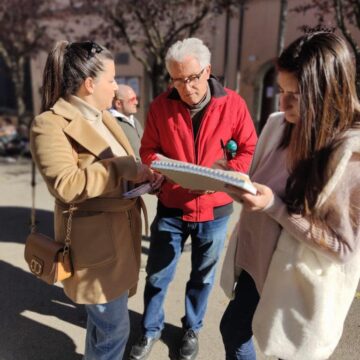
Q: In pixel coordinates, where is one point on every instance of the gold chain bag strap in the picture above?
(48, 259)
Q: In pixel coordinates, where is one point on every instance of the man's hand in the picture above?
(221, 164)
(201, 192)
(144, 173)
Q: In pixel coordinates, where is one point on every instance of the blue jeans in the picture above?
(235, 326)
(108, 328)
(168, 235)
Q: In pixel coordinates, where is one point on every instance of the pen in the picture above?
(223, 148)
(231, 149)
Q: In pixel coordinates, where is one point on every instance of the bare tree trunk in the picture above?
(158, 78)
(226, 47)
(282, 26)
(340, 20)
(280, 42)
(240, 39)
(17, 77)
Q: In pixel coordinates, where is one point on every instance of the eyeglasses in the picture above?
(191, 80)
(131, 100)
(91, 47)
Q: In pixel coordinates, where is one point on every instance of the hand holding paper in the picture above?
(138, 191)
(146, 188)
(263, 198)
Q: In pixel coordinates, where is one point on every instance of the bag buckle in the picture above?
(36, 266)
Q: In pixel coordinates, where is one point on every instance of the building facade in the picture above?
(243, 46)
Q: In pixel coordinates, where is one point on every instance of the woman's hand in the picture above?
(156, 184)
(144, 173)
(252, 202)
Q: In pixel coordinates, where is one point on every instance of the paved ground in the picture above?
(37, 322)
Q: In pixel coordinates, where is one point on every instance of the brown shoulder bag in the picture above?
(48, 259)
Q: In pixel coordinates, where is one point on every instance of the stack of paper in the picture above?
(196, 177)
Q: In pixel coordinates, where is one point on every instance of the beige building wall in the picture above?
(258, 52)
(258, 47)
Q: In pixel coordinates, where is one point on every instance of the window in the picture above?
(122, 58)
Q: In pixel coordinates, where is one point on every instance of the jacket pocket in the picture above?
(92, 242)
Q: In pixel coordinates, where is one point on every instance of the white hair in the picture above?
(123, 90)
(188, 47)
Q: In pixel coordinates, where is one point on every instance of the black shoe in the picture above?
(141, 350)
(189, 346)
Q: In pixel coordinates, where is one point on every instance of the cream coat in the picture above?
(79, 167)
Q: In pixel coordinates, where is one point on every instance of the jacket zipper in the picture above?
(195, 158)
(201, 124)
(196, 152)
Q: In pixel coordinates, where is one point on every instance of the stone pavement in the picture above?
(37, 322)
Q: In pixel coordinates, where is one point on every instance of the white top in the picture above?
(94, 117)
(129, 119)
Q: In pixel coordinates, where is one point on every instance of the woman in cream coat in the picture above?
(306, 169)
(86, 160)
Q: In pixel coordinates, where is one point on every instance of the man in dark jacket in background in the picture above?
(124, 109)
(190, 122)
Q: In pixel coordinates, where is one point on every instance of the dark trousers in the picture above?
(235, 326)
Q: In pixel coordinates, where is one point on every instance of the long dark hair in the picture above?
(67, 66)
(329, 106)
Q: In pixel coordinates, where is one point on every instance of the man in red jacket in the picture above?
(189, 122)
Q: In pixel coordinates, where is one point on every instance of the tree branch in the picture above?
(120, 22)
(192, 25)
(339, 11)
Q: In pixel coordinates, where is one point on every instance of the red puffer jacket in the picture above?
(169, 131)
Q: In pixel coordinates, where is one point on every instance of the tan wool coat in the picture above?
(79, 167)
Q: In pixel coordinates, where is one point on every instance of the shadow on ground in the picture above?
(15, 223)
(23, 298)
(24, 334)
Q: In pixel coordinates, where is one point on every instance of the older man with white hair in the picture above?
(124, 109)
(190, 122)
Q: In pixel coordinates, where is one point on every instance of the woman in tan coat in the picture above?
(86, 160)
